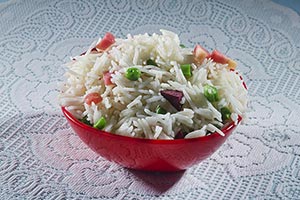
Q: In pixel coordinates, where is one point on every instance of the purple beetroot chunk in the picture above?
(179, 135)
(174, 97)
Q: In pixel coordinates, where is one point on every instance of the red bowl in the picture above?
(148, 154)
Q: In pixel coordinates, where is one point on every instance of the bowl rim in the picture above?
(226, 129)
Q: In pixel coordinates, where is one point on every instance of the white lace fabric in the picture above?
(42, 158)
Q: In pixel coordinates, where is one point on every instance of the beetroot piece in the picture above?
(174, 97)
(179, 135)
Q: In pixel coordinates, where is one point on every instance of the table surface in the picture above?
(42, 158)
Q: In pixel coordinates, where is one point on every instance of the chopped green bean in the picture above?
(182, 46)
(100, 124)
(186, 70)
(160, 110)
(133, 74)
(86, 121)
(151, 62)
(211, 93)
(226, 113)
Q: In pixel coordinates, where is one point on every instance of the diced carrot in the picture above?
(107, 78)
(106, 42)
(92, 97)
(231, 64)
(218, 57)
(200, 54)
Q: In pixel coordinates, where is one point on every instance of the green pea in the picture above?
(186, 70)
(151, 62)
(226, 113)
(182, 46)
(86, 121)
(160, 110)
(211, 93)
(133, 74)
(100, 124)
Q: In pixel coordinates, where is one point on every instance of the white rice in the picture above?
(129, 106)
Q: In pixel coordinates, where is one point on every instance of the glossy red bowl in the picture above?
(147, 154)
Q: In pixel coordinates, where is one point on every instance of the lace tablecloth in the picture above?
(42, 158)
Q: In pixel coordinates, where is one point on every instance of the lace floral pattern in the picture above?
(41, 157)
